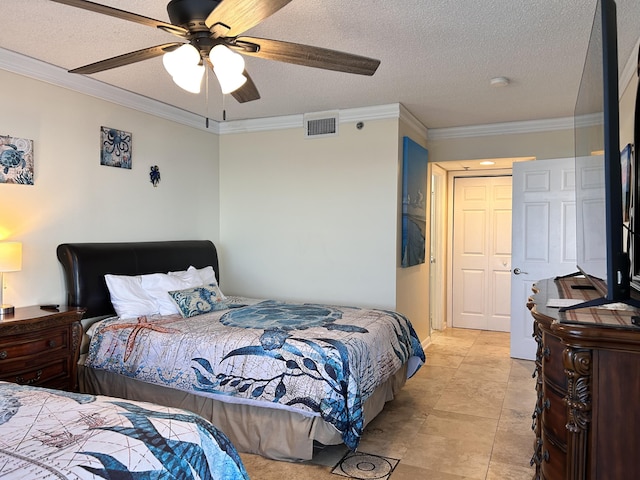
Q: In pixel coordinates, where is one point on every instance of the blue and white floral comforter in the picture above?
(51, 434)
(320, 360)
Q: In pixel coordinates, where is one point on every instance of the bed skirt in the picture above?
(272, 433)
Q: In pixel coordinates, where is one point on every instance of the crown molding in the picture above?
(507, 128)
(45, 72)
(378, 112)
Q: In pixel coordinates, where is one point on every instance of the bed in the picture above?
(55, 434)
(280, 379)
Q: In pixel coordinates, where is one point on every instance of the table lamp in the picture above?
(10, 261)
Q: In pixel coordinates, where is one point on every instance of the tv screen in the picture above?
(601, 255)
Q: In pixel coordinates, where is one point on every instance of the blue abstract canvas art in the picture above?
(115, 148)
(414, 202)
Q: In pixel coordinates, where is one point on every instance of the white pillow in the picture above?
(128, 298)
(207, 274)
(157, 286)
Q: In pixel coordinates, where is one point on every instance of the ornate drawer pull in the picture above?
(52, 344)
(545, 456)
(3, 354)
(546, 352)
(22, 381)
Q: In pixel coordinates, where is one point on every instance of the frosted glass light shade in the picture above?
(190, 78)
(224, 59)
(228, 67)
(230, 83)
(183, 64)
(184, 56)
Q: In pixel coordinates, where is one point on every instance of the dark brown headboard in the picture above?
(85, 265)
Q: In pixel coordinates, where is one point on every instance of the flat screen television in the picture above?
(600, 212)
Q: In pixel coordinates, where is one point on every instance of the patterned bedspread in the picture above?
(51, 434)
(316, 359)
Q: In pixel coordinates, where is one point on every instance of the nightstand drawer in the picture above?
(45, 343)
(42, 373)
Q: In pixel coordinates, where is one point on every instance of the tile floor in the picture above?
(465, 415)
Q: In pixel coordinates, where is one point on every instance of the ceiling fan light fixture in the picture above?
(224, 59)
(228, 67)
(183, 64)
(190, 79)
(177, 60)
(230, 83)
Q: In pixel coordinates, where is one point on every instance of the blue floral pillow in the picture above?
(198, 300)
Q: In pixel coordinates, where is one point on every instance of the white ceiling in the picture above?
(437, 56)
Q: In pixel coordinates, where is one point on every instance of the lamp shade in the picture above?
(10, 256)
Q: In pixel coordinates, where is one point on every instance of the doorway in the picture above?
(437, 249)
(481, 253)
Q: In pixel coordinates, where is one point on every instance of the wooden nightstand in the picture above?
(41, 347)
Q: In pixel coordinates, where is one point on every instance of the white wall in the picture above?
(311, 219)
(75, 199)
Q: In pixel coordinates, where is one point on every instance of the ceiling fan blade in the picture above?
(306, 55)
(240, 15)
(247, 92)
(124, 15)
(127, 58)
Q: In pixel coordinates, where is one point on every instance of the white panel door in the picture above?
(543, 238)
(481, 253)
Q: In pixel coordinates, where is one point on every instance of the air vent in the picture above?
(323, 124)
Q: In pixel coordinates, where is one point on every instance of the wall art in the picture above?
(154, 175)
(115, 148)
(16, 160)
(414, 202)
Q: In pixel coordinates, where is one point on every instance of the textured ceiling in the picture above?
(437, 56)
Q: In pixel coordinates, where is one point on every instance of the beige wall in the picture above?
(412, 289)
(627, 111)
(75, 199)
(541, 145)
(311, 219)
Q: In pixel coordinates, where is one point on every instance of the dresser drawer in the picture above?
(552, 362)
(554, 458)
(26, 373)
(554, 414)
(43, 343)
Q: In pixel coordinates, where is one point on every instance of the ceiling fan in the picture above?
(206, 28)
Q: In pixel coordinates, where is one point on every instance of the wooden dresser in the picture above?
(587, 413)
(40, 347)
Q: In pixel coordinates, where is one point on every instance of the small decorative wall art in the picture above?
(16, 160)
(414, 203)
(115, 148)
(154, 175)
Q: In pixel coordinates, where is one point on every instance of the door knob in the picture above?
(517, 271)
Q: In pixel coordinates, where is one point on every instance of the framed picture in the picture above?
(16, 160)
(115, 148)
(414, 202)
